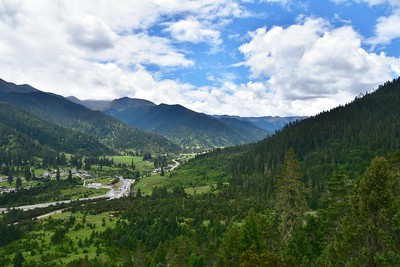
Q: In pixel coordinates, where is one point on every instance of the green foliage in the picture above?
(18, 259)
(59, 235)
(290, 203)
(35, 136)
(370, 233)
(252, 232)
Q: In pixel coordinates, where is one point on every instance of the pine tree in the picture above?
(18, 183)
(10, 178)
(18, 259)
(58, 174)
(252, 232)
(230, 250)
(370, 234)
(69, 175)
(27, 173)
(290, 202)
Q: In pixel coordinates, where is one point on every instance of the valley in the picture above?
(74, 194)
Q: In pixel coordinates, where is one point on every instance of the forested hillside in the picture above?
(346, 138)
(24, 133)
(191, 130)
(58, 110)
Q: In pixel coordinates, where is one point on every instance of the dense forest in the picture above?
(58, 110)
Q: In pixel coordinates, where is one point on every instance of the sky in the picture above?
(235, 57)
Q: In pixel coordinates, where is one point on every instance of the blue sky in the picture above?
(236, 57)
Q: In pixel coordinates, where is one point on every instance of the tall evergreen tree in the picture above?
(69, 175)
(18, 183)
(252, 232)
(10, 178)
(370, 235)
(230, 250)
(18, 259)
(290, 201)
(58, 176)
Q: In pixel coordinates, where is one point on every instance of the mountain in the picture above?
(343, 140)
(57, 109)
(269, 123)
(91, 104)
(191, 130)
(22, 132)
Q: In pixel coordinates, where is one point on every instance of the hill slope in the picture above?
(57, 109)
(268, 123)
(23, 132)
(189, 129)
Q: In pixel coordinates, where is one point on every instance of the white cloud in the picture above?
(370, 2)
(191, 30)
(97, 47)
(314, 66)
(106, 49)
(93, 33)
(380, 2)
(387, 29)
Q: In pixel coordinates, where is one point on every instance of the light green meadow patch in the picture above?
(82, 192)
(199, 189)
(37, 246)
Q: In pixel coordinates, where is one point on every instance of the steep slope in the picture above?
(189, 129)
(107, 130)
(35, 136)
(342, 140)
(369, 123)
(270, 123)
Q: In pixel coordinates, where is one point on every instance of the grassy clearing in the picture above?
(79, 241)
(127, 160)
(190, 184)
(141, 166)
(82, 192)
(199, 189)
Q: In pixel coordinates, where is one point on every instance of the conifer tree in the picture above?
(370, 234)
(58, 176)
(18, 183)
(290, 201)
(252, 232)
(230, 250)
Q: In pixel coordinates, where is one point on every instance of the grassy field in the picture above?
(78, 242)
(141, 166)
(197, 185)
(195, 179)
(82, 192)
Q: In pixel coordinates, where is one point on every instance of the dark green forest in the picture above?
(55, 109)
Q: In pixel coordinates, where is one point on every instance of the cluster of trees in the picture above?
(357, 225)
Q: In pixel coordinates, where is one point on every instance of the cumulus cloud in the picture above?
(69, 47)
(315, 65)
(191, 30)
(108, 49)
(93, 33)
(387, 29)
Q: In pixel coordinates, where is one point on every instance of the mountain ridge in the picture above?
(61, 111)
(190, 129)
